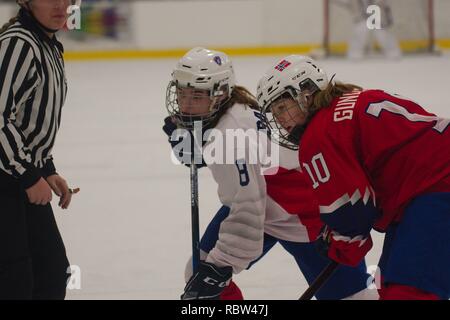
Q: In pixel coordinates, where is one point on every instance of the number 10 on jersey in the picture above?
(317, 170)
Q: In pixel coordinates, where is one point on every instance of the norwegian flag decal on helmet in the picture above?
(282, 65)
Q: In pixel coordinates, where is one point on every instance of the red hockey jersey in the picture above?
(374, 146)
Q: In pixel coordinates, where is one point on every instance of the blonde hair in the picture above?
(322, 99)
(9, 23)
(242, 96)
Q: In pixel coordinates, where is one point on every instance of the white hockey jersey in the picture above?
(358, 9)
(250, 195)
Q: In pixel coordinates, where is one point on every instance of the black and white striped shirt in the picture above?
(33, 89)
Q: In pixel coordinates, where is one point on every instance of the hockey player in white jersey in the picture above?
(258, 209)
(361, 32)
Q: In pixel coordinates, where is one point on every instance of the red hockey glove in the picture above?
(344, 250)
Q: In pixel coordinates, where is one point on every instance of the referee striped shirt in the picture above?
(33, 89)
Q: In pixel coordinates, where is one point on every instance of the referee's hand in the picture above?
(40, 193)
(61, 189)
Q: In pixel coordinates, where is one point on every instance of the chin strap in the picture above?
(296, 134)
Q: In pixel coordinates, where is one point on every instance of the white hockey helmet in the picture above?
(295, 72)
(201, 69)
(297, 76)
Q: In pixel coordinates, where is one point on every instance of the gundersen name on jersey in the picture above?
(374, 147)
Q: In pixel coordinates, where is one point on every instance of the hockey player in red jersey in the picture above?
(376, 160)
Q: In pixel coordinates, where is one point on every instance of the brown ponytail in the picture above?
(9, 23)
(242, 96)
(323, 99)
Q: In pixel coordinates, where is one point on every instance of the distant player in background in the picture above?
(375, 160)
(361, 33)
(258, 210)
(33, 88)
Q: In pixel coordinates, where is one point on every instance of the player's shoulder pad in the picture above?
(372, 95)
(237, 117)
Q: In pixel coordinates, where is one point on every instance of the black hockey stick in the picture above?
(319, 281)
(195, 217)
(195, 220)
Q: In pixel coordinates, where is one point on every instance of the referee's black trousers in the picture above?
(33, 261)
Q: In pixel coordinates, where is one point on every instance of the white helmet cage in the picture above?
(201, 69)
(296, 75)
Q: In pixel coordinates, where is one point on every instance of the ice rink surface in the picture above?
(129, 228)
